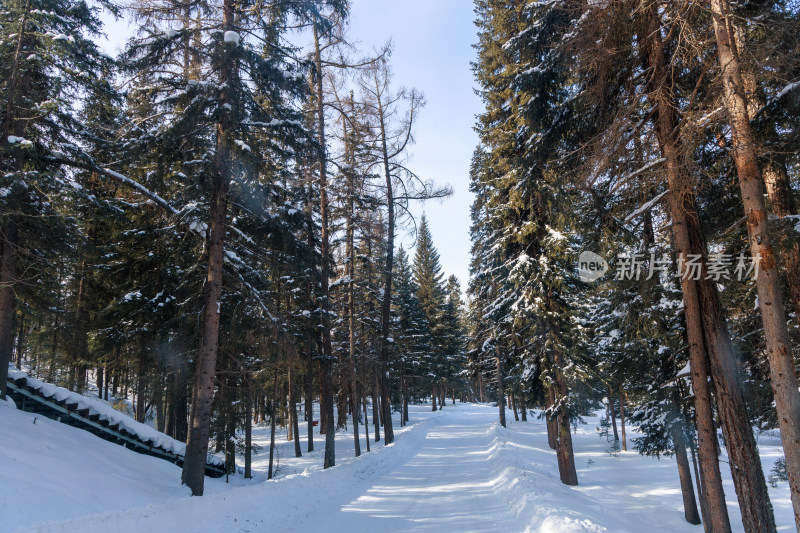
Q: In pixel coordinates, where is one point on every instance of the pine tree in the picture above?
(49, 61)
(428, 278)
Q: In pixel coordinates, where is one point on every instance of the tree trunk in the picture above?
(622, 418)
(323, 412)
(203, 388)
(776, 181)
(229, 430)
(80, 343)
(10, 232)
(514, 407)
(326, 402)
(105, 384)
(100, 381)
(342, 401)
(405, 396)
(310, 391)
(523, 407)
(7, 299)
(433, 398)
(564, 450)
(781, 205)
(310, 336)
(20, 342)
(386, 395)
(366, 420)
(248, 428)
(550, 420)
(376, 417)
(272, 416)
(613, 412)
(501, 378)
(681, 208)
(351, 268)
(754, 499)
(51, 369)
(293, 413)
(685, 474)
(179, 400)
(158, 401)
(141, 381)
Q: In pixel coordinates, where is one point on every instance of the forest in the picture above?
(210, 232)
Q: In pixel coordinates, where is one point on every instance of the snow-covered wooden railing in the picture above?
(99, 418)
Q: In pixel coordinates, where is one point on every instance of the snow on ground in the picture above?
(452, 470)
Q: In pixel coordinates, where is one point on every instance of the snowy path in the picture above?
(445, 486)
(450, 471)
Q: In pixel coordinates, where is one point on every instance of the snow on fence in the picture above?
(106, 421)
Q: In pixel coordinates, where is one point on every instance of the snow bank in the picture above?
(52, 471)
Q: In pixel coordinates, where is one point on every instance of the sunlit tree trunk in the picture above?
(770, 293)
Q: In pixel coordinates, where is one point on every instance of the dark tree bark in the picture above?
(79, 349)
(622, 418)
(386, 303)
(10, 231)
(158, 403)
(272, 416)
(405, 396)
(106, 385)
(342, 400)
(310, 337)
(514, 407)
(20, 351)
(685, 474)
(501, 378)
(100, 381)
(564, 450)
(326, 377)
(350, 269)
(551, 420)
(203, 389)
(376, 417)
(366, 420)
(248, 428)
(7, 299)
(141, 381)
(753, 497)
(682, 209)
(293, 413)
(310, 390)
(613, 412)
(782, 205)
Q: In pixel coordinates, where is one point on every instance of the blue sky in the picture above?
(432, 52)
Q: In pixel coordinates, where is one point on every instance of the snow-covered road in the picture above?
(445, 486)
(450, 471)
(436, 477)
